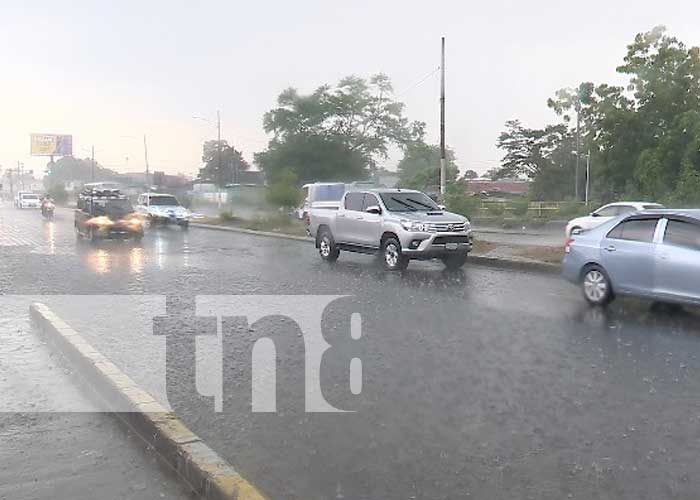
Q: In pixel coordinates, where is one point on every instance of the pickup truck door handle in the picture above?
(340, 215)
(610, 248)
(359, 217)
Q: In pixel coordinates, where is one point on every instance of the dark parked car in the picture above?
(653, 254)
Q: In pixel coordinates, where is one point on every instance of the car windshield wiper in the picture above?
(412, 208)
(429, 207)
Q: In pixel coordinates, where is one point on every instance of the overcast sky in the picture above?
(105, 70)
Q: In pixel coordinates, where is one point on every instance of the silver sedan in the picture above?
(652, 254)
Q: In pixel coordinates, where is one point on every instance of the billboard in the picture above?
(51, 145)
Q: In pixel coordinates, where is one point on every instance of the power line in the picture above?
(418, 82)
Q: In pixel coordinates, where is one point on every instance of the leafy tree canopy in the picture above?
(68, 168)
(420, 166)
(643, 138)
(221, 163)
(336, 132)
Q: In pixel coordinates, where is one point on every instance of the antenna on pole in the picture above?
(443, 173)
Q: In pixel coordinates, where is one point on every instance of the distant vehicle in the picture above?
(106, 214)
(163, 209)
(328, 193)
(606, 213)
(397, 224)
(27, 199)
(653, 254)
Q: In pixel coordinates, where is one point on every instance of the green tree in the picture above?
(284, 192)
(221, 163)
(637, 141)
(528, 150)
(339, 132)
(470, 174)
(312, 158)
(68, 169)
(420, 166)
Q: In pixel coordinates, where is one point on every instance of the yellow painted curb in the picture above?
(200, 467)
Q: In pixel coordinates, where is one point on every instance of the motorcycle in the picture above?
(47, 210)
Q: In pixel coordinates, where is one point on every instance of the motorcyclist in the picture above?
(47, 204)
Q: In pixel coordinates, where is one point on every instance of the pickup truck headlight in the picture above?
(414, 227)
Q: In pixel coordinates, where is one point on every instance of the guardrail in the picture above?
(536, 208)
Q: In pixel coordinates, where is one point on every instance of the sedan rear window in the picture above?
(635, 230)
(682, 234)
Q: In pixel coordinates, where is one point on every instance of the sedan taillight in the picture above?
(567, 245)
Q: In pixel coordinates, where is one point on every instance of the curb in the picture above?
(521, 265)
(541, 267)
(253, 232)
(201, 468)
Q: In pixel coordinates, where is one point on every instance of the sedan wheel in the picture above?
(596, 286)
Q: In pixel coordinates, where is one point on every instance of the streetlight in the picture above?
(145, 154)
(218, 149)
(92, 159)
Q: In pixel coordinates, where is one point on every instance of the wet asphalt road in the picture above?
(481, 384)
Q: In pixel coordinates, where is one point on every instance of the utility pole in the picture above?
(20, 174)
(145, 159)
(92, 162)
(218, 151)
(588, 175)
(578, 145)
(443, 172)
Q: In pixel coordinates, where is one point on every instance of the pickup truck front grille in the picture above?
(441, 240)
(446, 227)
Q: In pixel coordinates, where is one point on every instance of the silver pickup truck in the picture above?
(396, 224)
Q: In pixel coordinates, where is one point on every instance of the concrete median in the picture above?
(498, 262)
(194, 462)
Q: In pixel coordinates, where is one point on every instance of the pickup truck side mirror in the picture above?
(442, 207)
(595, 214)
(373, 209)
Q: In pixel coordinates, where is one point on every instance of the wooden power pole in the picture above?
(443, 173)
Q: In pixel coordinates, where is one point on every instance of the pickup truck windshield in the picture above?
(164, 201)
(408, 202)
(30, 197)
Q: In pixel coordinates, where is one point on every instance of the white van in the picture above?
(27, 199)
(328, 193)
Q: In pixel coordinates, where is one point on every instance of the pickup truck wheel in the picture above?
(394, 260)
(327, 247)
(454, 261)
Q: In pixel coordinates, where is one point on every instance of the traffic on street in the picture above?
(350, 251)
(478, 382)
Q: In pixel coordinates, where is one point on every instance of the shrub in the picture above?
(495, 209)
(283, 192)
(463, 204)
(227, 215)
(572, 209)
(520, 207)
